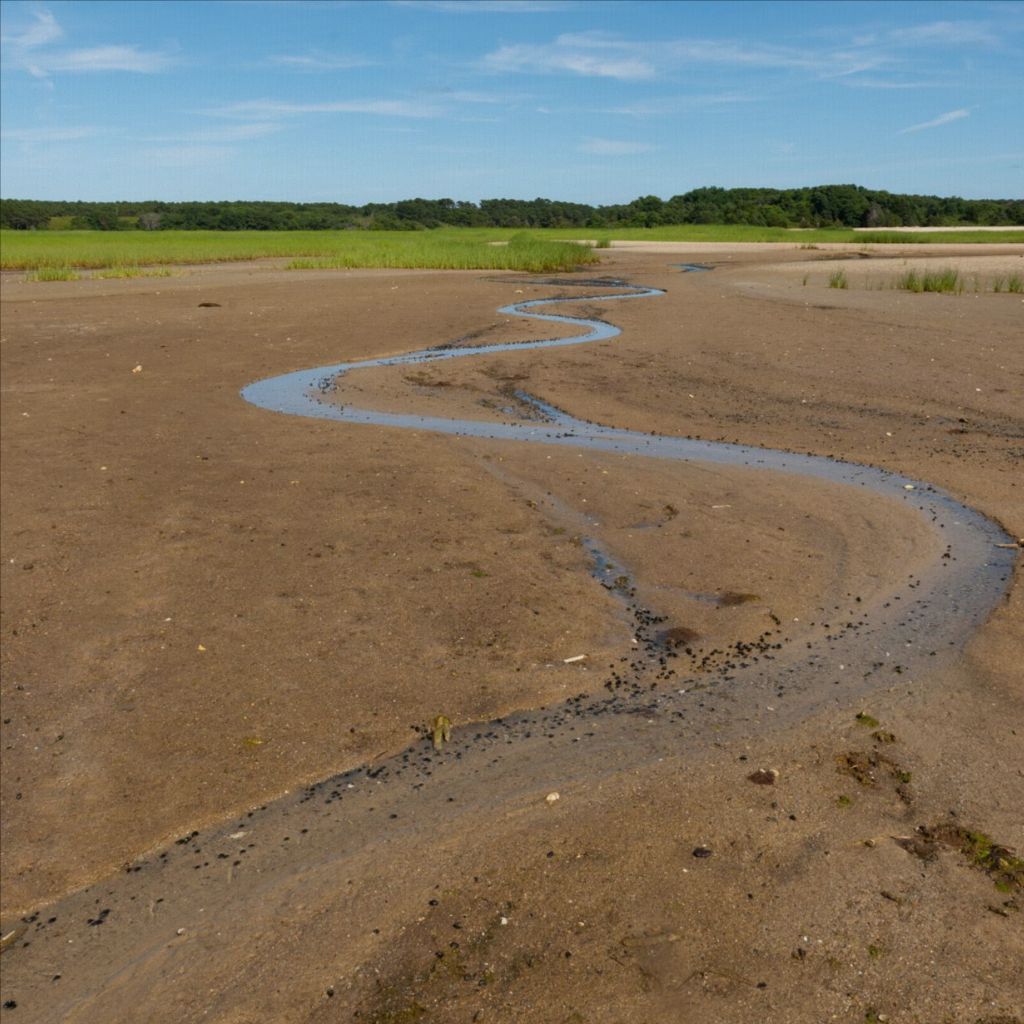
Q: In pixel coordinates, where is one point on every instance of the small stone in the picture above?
(702, 851)
(552, 798)
(764, 776)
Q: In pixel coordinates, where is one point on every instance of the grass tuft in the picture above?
(128, 272)
(56, 273)
(947, 281)
(837, 279)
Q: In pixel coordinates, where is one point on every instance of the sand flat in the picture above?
(208, 606)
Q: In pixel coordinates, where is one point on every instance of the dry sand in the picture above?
(207, 606)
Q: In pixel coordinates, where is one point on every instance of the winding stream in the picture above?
(122, 930)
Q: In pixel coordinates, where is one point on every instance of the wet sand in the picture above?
(180, 649)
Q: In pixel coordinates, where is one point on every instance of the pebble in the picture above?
(553, 798)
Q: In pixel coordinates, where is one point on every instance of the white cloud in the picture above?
(102, 58)
(664, 105)
(55, 134)
(44, 30)
(949, 33)
(320, 62)
(607, 55)
(30, 50)
(739, 55)
(486, 6)
(951, 115)
(570, 58)
(220, 135)
(614, 147)
(185, 156)
(891, 83)
(473, 96)
(281, 108)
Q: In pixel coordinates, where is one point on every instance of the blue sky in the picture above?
(591, 101)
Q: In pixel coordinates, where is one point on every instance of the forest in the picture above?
(822, 206)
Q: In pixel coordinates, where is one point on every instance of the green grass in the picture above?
(947, 280)
(465, 248)
(837, 279)
(446, 252)
(938, 237)
(117, 272)
(1014, 283)
(58, 272)
(451, 249)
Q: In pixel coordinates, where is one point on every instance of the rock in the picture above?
(764, 776)
(552, 798)
(701, 852)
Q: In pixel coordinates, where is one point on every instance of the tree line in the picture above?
(822, 206)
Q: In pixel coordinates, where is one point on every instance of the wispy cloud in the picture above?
(43, 29)
(569, 54)
(486, 6)
(55, 134)
(601, 54)
(605, 54)
(949, 116)
(614, 147)
(103, 58)
(659, 106)
(320, 62)
(950, 33)
(732, 54)
(186, 156)
(860, 82)
(220, 135)
(269, 109)
(31, 51)
(475, 96)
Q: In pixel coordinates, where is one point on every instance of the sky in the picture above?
(359, 101)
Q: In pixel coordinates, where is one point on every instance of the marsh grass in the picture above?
(440, 247)
(120, 251)
(946, 280)
(938, 237)
(837, 279)
(1014, 284)
(54, 273)
(523, 252)
(119, 272)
